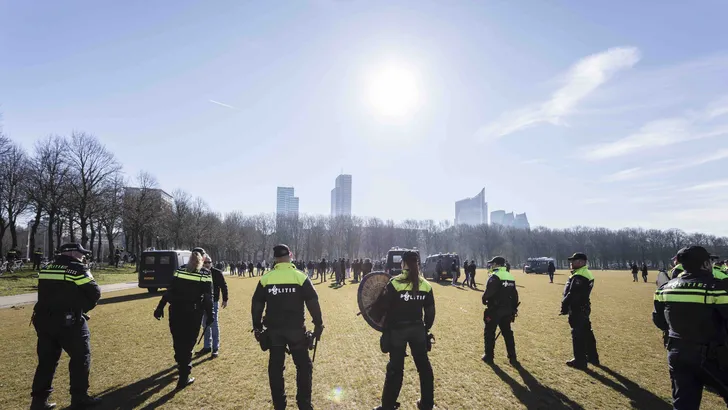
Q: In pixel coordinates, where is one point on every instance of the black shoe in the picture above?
(420, 407)
(184, 382)
(487, 359)
(37, 404)
(576, 364)
(215, 354)
(85, 402)
(395, 407)
(205, 350)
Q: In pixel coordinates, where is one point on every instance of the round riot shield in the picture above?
(662, 278)
(370, 288)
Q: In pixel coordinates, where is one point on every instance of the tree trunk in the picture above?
(110, 238)
(93, 238)
(71, 234)
(84, 224)
(49, 235)
(98, 248)
(34, 229)
(13, 234)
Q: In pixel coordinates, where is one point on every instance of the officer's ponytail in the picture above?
(413, 270)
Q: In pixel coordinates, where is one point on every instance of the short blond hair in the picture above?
(195, 262)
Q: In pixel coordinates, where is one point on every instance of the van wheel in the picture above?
(152, 290)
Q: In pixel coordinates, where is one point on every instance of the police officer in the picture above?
(37, 257)
(677, 269)
(406, 299)
(282, 293)
(577, 305)
(189, 296)
(501, 301)
(693, 309)
(12, 255)
(66, 292)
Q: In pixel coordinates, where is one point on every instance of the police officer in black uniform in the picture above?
(66, 292)
(405, 299)
(577, 305)
(281, 293)
(37, 257)
(189, 296)
(12, 255)
(693, 309)
(501, 301)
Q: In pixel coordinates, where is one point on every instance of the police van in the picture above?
(157, 268)
(538, 265)
(393, 264)
(429, 267)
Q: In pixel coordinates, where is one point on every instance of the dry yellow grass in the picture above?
(26, 280)
(133, 363)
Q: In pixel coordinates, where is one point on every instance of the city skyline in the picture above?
(472, 211)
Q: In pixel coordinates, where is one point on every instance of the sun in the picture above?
(393, 90)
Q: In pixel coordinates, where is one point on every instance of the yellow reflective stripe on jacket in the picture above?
(583, 271)
(687, 295)
(503, 274)
(56, 275)
(283, 274)
(196, 277)
(401, 283)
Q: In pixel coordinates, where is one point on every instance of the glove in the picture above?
(317, 330)
(158, 313)
(564, 312)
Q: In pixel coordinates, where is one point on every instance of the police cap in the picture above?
(579, 256)
(498, 260)
(281, 250)
(694, 254)
(199, 250)
(73, 247)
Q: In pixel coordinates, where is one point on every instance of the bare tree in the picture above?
(13, 195)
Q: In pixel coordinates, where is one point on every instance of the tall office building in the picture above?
(500, 217)
(286, 202)
(472, 211)
(341, 196)
(521, 221)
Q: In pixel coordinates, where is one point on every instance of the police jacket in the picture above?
(403, 306)
(190, 289)
(282, 292)
(218, 284)
(577, 291)
(66, 286)
(37, 255)
(500, 295)
(693, 308)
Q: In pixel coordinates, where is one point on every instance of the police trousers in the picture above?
(690, 371)
(504, 323)
(53, 337)
(184, 323)
(582, 338)
(295, 340)
(416, 337)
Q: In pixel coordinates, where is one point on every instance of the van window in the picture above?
(185, 259)
(149, 260)
(396, 258)
(164, 260)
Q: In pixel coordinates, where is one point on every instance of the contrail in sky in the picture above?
(224, 105)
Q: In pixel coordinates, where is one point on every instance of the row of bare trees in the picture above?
(74, 188)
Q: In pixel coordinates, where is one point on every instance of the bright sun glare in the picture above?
(393, 91)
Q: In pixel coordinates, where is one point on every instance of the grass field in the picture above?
(25, 281)
(133, 364)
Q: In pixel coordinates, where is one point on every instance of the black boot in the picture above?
(84, 402)
(41, 404)
(576, 364)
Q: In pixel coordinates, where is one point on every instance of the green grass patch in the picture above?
(133, 365)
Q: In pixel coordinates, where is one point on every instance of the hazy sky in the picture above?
(577, 112)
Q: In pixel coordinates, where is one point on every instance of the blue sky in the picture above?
(579, 113)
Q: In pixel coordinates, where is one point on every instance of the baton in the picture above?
(315, 345)
(202, 335)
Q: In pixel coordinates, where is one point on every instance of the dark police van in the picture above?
(156, 268)
(393, 265)
(538, 265)
(429, 267)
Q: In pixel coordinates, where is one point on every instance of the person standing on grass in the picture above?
(212, 333)
(635, 271)
(466, 270)
(190, 297)
(552, 271)
(644, 272)
(692, 310)
(37, 257)
(281, 294)
(501, 301)
(406, 301)
(250, 269)
(66, 292)
(455, 272)
(473, 268)
(577, 305)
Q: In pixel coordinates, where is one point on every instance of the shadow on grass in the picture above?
(128, 298)
(639, 397)
(535, 395)
(135, 394)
